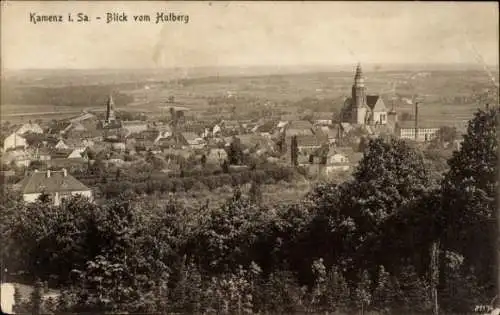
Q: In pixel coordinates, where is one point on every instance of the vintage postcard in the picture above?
(241, 157)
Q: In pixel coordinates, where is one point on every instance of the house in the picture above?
(88, 143)
(14, 141)
(60, 153)
(231, 125)
(335, 157)
(299, 127)
(94, 134)
(20, 158)
(308, 143)
(307, 146)
(322, 118)
(78, 153)
(194, 127)
(257, 143)
(29, 127)
(265, 128)
(163, 135)
(281, 125)
(164, 143)
(331, 133)
(41, 154)
(57, 184)
(216, 131)
(193, 140)
(134, 126)
(61, 145)
(324, 162)
(165, 131)
(78, 127)
(143, 140)
(216, 155)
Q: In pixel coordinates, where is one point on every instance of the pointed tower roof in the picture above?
(110, 111)
(359, 72)
(110, 103)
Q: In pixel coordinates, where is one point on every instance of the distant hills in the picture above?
(172, 73)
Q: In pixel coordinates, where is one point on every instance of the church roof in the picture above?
(348, 104)
(375, 102)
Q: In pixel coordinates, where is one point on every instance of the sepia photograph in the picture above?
(247, 157)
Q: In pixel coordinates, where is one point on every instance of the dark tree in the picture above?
(448, 134)
(235, 153)
(225, 166)
(470, 195)
(294, 151)
(45, 198)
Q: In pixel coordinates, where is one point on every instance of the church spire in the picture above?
(359, 80)
(358, 88)
(110, 110)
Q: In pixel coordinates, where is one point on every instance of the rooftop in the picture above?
(50, 182)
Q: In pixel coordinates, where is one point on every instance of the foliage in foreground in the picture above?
(359, 246)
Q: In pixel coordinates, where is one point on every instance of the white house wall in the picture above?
(57, 198)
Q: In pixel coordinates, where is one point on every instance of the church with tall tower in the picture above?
(110, 121)
(361, 108)
(110, 111)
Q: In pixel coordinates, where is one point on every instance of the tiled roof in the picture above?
(265, 127)
(39, 182)
(146, 135)
(308, 140)
(299, 124)
(371, 100)
(60, 153)
(59, 127)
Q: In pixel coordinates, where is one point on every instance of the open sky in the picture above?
(250, 33)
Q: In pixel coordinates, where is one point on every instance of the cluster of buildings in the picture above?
(318, 145)
(369, 112)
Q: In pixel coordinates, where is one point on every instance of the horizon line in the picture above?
(369, 64)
